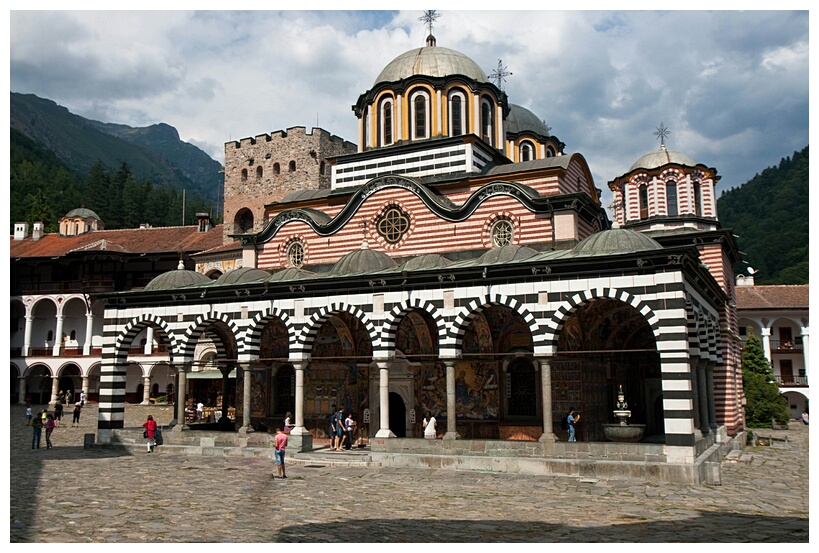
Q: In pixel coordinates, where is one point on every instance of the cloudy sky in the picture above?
(731, 86)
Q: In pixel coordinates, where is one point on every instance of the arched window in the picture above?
(487, 122)
(243, 222)
(671, 197)
(643, 201)
(295, 254)
(550, 152)
(457, 113)
(244, 174)
(527, 151)
(259, 172)
(292, 167)
(420, 115)
(276, 168)
(385, 123)
(322, 168)
(697, 199)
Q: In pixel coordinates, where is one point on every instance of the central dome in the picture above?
(432, 61)
(661, 157)
(616, 241)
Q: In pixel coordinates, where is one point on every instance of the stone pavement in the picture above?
(69, 494)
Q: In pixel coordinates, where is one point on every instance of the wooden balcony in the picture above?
(792, 381)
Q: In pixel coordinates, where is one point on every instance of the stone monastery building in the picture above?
(458, 262)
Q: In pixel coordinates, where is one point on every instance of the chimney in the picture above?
(37, 231)
(20, 231)
(204, 221)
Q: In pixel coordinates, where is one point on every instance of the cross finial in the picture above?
(499, 75)
(662, 133)
(548, 128)
(429, 18)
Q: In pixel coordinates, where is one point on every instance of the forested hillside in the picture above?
(43, 188)
(770, 215)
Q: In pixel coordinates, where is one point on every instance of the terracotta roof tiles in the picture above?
(771, 297)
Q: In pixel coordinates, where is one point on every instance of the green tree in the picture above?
(40, 211)
(763, 402)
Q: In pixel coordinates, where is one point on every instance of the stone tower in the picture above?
(264, 169)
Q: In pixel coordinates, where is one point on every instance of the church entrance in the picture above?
(398, 416)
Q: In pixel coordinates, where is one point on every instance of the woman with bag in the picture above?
(150, 432)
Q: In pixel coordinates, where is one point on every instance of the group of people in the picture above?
(48, 421)
(341, 429)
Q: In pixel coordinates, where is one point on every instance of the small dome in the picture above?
(242, 274)
(427, 261)
(614, 241)
(176, 279)
(290, 273)
(521, 119)
(506, 254)
(662, 157)
(433, 61)
(83, 212)
(362, 261)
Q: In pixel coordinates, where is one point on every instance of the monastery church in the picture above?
(456, 261)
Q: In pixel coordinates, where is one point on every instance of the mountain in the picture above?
(155, 152)
(770, 216)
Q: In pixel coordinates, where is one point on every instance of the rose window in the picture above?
(295, 254)
(502, 233)
(393, 225)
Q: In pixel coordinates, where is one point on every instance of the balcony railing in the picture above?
(78, 352)
(792, 380)
(787, 345)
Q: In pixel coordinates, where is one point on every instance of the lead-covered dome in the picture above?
(361, 261)
(662, 157)
(433, 61)
(242, 274)
(177, 278)
(506, 254)
(521, 120)
(614, 241)
(83, 212)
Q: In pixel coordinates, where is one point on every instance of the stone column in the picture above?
(245, 428)
(54, 391)
(149, 341)
(58, 337)
(85, 387)
(89, 331)
(805, 349)
(21, 390)
(451, 403)
(712, 407)
(766, 344)
(546, 393)
(299, 429)
(27, 335)
(146, 389)
(181, 389)
(702, 392)
(384, 401)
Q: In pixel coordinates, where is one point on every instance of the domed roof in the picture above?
(505, 254)
(176, 279)
(242, 274)
(433, 61)
(662, 157)
(291, 273)
(83, 212)
(364, 260)
(426, 261)
(521, 119)
(616, 240)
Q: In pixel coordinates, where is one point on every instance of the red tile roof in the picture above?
(129, 241)
(772, 297)
(234, 246)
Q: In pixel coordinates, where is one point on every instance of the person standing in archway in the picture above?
(571, 419)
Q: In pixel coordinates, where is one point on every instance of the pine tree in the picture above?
(763, 400)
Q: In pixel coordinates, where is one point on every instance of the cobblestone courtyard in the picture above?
(72, 494)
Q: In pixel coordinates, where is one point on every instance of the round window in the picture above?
(393, 225)
(295, 254)
(502, 233)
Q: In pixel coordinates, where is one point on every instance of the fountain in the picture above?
(623, 431)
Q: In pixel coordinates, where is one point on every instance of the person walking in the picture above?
(82, 399)
(58, 413)
(37, 431)
(430, 427)
(200, 411)
(331, 429)
(49, 428)
(76, 419)
(281, 445)
(571, 419)
(150, 432)
(341, 435)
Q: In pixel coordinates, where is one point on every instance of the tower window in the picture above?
(456, 113)
(697, 199)
(526, 151)
(292, 167)
(322, 168)
(643, 193)
(671, 197)
(487, 122)
(244, 174)
(550, 152)
(385, 126)
(419, 107)
(276, 168)
(259, 172)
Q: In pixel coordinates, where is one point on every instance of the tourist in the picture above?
(331, 429)
(58, 413)
(28, 415)
(341, 435)
(76, 419)
(288, 422)
(82, 399)
(281, 444)
(44, 416)
(200, 412)
(349, 426)
(50, 424)
(571, 420)
(805, 416)
(430, 427)
(150, 432)
(37, 431)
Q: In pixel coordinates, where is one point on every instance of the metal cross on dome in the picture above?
(499, 75)
(662, 133)
(429, 18)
